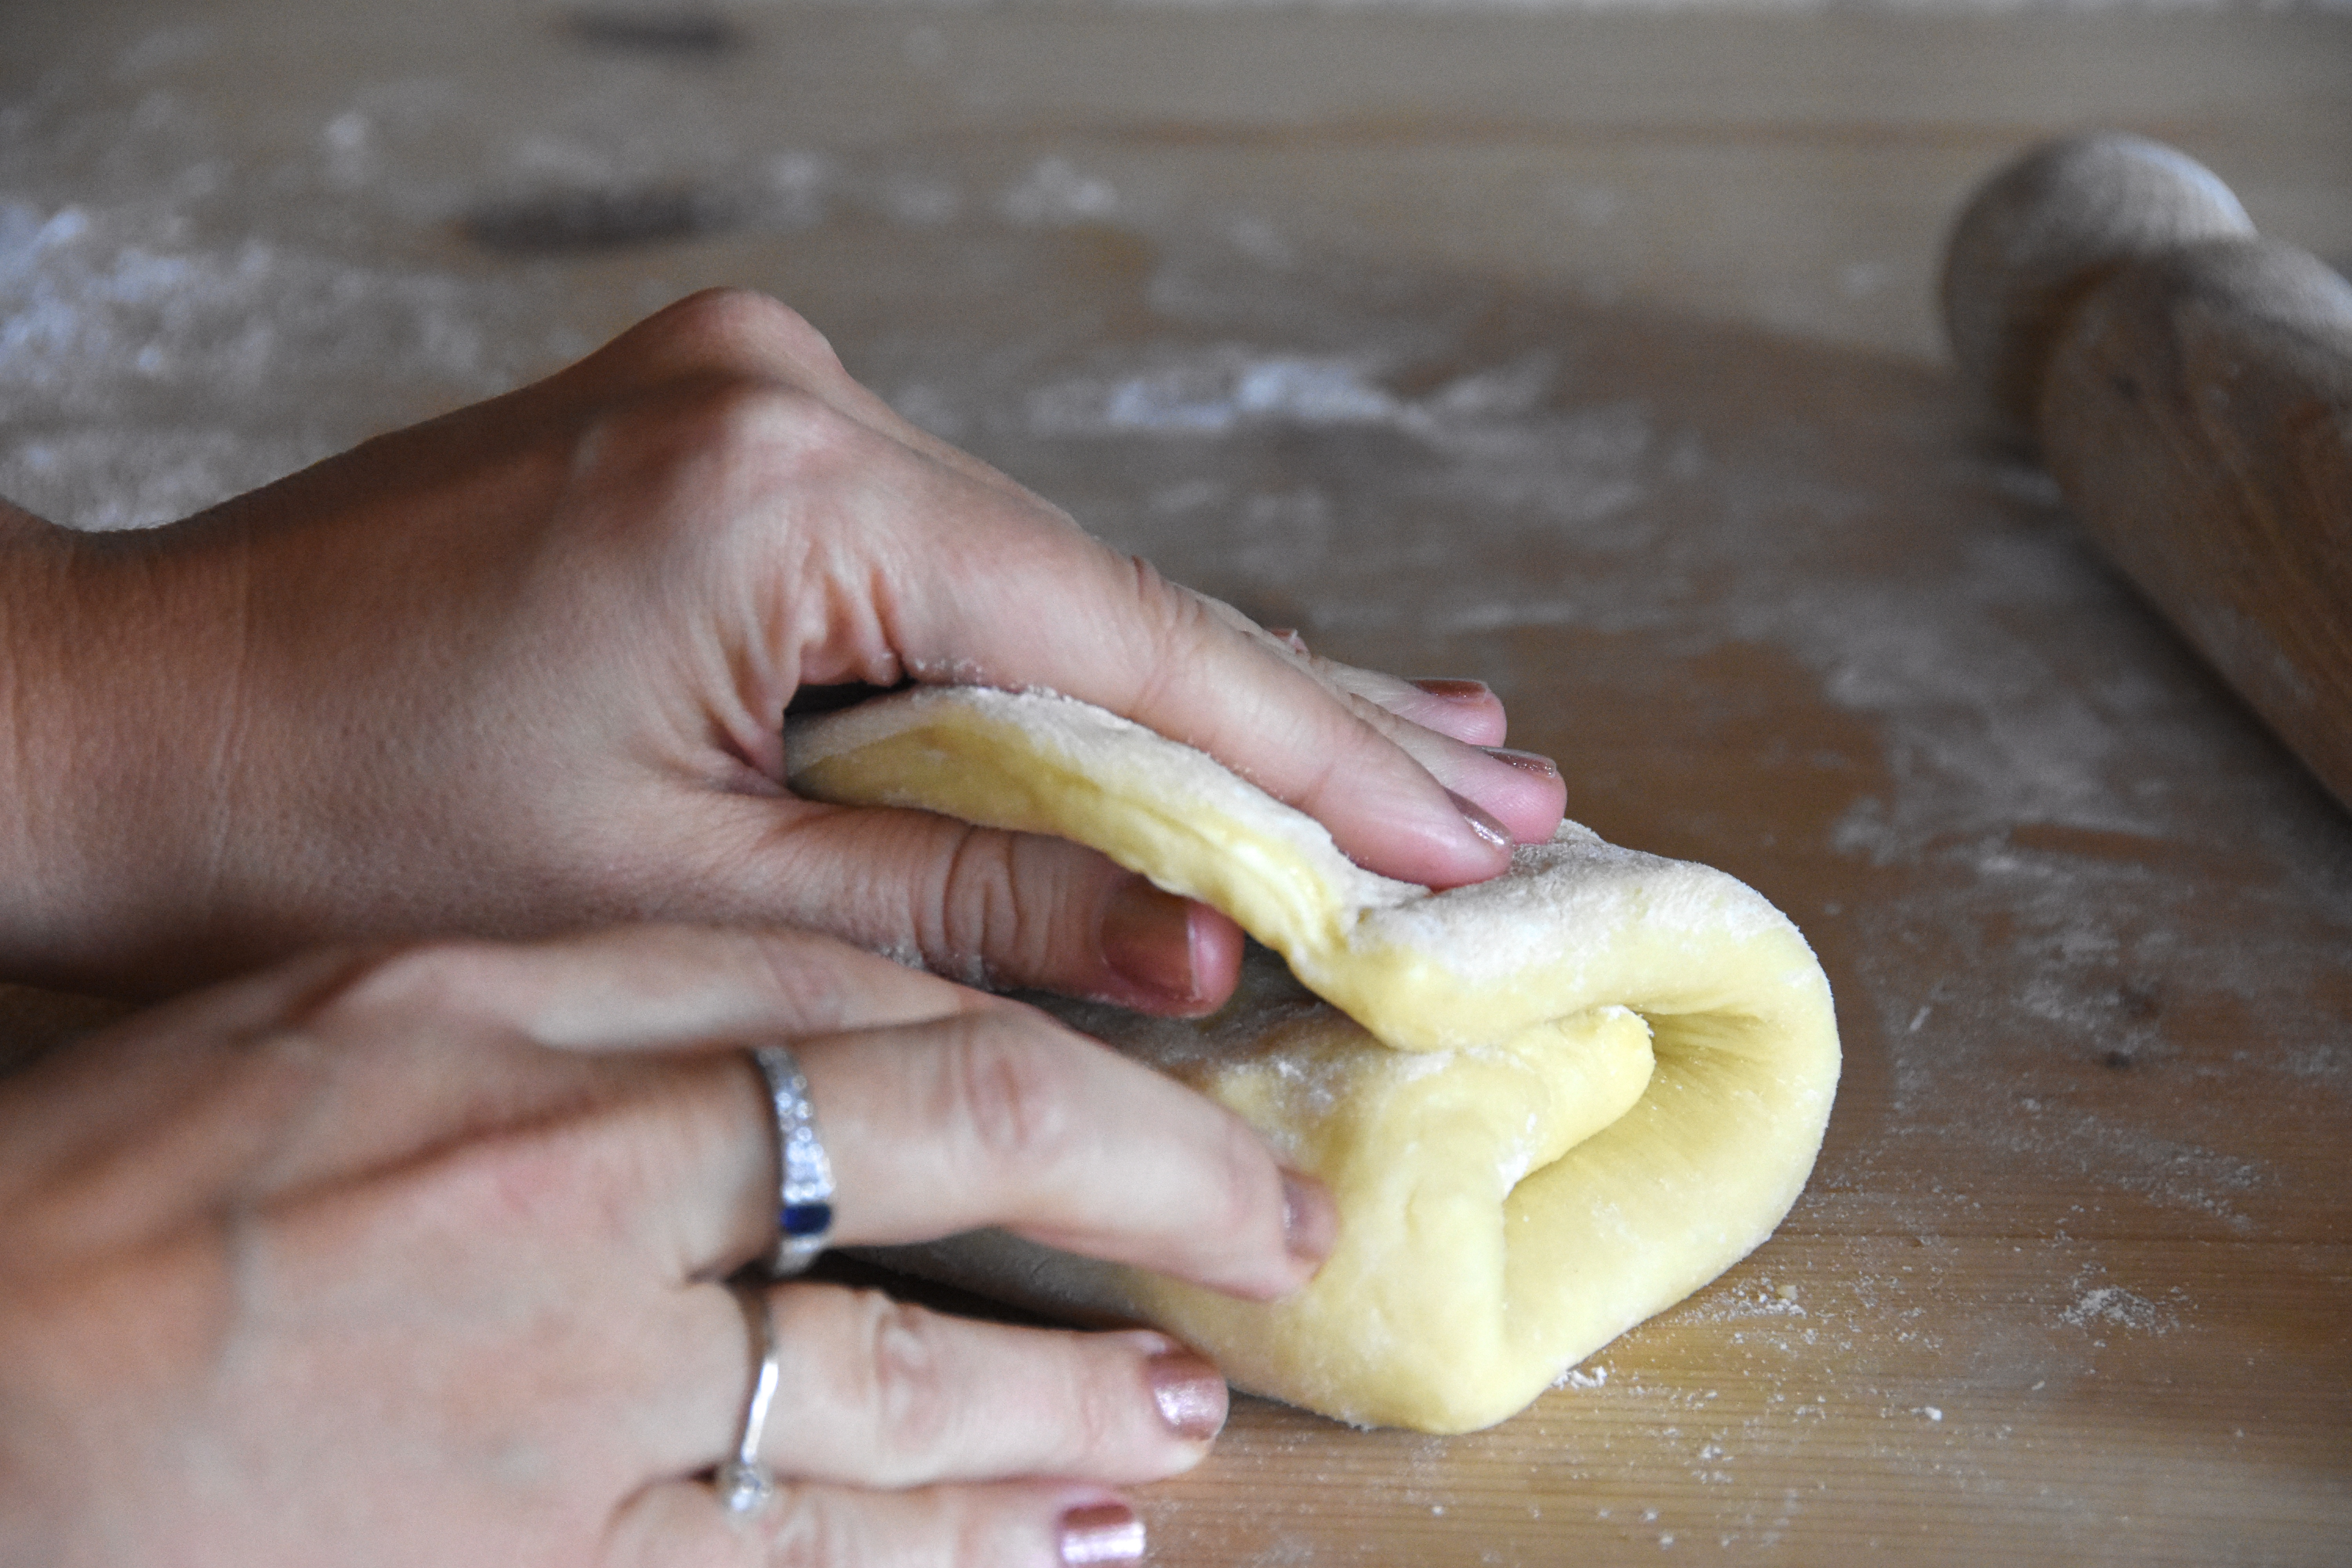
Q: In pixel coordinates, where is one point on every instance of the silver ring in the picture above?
(744, 1485)
(804, 1175)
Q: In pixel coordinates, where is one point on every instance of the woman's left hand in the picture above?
(414, 1255)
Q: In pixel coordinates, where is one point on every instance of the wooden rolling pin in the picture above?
(2190, 385)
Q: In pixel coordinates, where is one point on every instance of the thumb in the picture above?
(982, 906)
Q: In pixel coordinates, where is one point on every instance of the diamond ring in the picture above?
(743, 1484)
(804, 1175)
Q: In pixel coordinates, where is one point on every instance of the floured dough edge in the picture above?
(1457, 1332)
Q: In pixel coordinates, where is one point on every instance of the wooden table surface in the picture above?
(1587, 354)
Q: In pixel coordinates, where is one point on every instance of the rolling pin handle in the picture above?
(2188, 385)
(2047, 230)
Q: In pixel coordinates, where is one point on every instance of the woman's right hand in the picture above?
(415, 1254)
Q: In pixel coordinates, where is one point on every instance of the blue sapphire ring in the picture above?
(804, 1175)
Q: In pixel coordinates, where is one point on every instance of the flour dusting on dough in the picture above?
(1548, 1106)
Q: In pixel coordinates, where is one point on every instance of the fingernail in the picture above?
(1457, 691)
(1147, 939)
(1310, 1220)
(1191, 1394)
(1481, 824)
(1526, 762)
(1101, 1532)
(1288, 638)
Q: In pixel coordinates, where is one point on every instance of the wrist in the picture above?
(105, 712)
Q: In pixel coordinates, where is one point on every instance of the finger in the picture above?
(1466, 710)
(1455, 729)
(1521, 791)
(1126, 639)
(983, 1113)
(880, 1393)
(653, 987)
(1463, 711)
(966, 609)
(984, 907)
(1189, 675)
(1009, 1119)
(84, 1093)
(671, 1147)
(885, 1393)
(1031, 1524)
(986, 1112)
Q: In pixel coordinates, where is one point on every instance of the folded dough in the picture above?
(1548, 1106)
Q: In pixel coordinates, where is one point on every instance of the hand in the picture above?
(523, 669)
(414, 1257)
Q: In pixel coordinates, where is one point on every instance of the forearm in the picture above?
(111, 700)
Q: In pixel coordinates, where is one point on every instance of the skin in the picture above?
(524, 668)
(411, 1255)
(410, 1250)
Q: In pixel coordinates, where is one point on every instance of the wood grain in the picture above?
(2199, 413)
(1648, 428)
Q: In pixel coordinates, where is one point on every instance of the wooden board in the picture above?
(1586, 355)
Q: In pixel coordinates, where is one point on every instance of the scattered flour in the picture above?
(2111, 1306)
(1054, 192)
(1213, 390)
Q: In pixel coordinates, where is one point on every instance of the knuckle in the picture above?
(1246, 1198)
(977, 933)
(403, 980)
(723, 324)
(1012, 1097)
(1097, 1419)
(909, 1393)
(1016, 908)
(806, 972)
(1178, 622)
(801, 339)
(810, 1527)
(751, 428)
(963, 901)
(732, 424)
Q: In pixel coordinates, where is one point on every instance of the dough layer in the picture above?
(1548, 1106)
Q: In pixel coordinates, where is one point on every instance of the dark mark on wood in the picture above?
(652, 30)
(593, 220)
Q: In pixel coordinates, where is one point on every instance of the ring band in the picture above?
(804, 1175)
(743, 1483)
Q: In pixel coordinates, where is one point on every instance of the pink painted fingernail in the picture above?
(1457, 691)
(1526, 762)
(1310, 1220)
(1147, 939)
(1190, 1394)
(1481, 824)
(1101, 1532)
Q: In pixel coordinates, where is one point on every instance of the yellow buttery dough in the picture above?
(1548, 1106)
